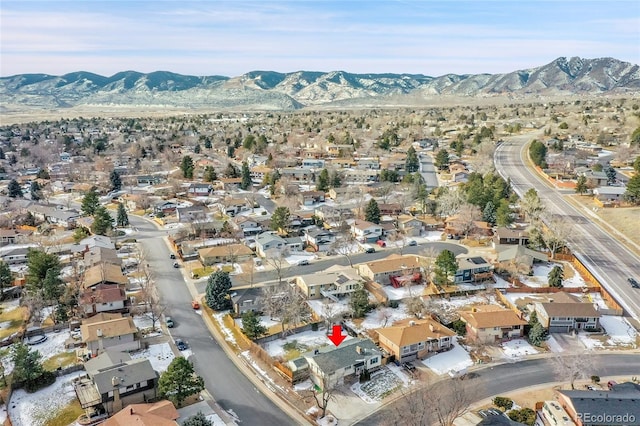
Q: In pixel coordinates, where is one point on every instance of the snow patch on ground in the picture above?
(323, 306)
(293, 259)
(265, 320)
(35, 409)
(383, 383)
(619, 330)
(517, 348)
(381, 317)
(266, 379)
(588, 342)
(50, 347)
(404, 292)
(456, 359)
(553, 345)
(159, 355)
(10, 305)
(228, 335)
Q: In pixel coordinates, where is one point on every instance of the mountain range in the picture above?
(286, 91)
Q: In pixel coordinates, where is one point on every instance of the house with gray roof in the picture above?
(616, 407)
(269, 241)
(352, 357)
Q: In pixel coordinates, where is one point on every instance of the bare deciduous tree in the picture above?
(276, 259)
(149, 301)
(323, 396)
(573, 367)
(344, 245)
(467, 215)
(555, 233)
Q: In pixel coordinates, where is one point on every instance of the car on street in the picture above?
(303, 263)
(370, 250)
(175, 265)
(172, 256)
(169, 322)
(409, 366)
(181, 345)
(633, 282)
(413, 243)
(195, 304)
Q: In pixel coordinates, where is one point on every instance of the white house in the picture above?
(269, 241)
(366, 231)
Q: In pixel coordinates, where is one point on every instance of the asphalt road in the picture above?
(229, 387)
(509, 377)
(428, 171)
(609, 261)
(326, 262)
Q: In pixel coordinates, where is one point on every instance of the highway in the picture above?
(228, 385)
(504, 378)
(607, 259)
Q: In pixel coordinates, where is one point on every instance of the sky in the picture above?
(230, 38)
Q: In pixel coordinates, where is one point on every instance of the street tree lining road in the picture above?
(605, 257)
(228, 385)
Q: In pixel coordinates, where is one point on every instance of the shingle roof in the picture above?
(492, 318)
(344, 355)
(393, 263)
(622, 399)
(128, 373)
(162, 413)
(104, 273)
(404, 334)
(109, 328)
(571, 310)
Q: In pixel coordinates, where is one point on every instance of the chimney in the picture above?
(359, 349)
(131, 411)
(99, 332)
(474, 309)
(412, 323)
(431, 327)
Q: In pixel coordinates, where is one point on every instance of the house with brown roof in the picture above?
(559, 316)
(98, 255)
(381, 271)
(366, 231)
(414, 339)
(230, 253)
(103, 273)
(103, 298)
(490, 324)
(333, 283)
(161, 413)
(456, 226)
(411, 226)
(504, 235)
(109, 331)
(14, 236)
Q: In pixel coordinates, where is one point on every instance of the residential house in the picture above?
(342, 163)
(382, 271)
(552, 414)
(360, 176)
(114, 380)
(191, 214)
(161, 413)
(409, 340)
(490, 324)
(410, 225)
(147, 180)
(269, 241)
(199, 189)
(16, 255)
(564, 313)
(342, 192)
(609, 194)
(504, 236)
(99, 255)
(109, 331)
(338, 150)
(319, 239)
(460, 177)
(334, 283)
(334, 217)
(619, 406)
(258, 173)
(97, 241)
(65, 218)
(14, 236)
(366, 231)
(368, 163)
(390, 209)
(456, 226)
(310, 198)
(472, 269)
(312, 163)
(248, 299)
(247, 225)
(294, 244)
(233, 206)
(297, 175)
(229, 184)
(595, 179)
(165, 207)
(519, 256)
(103, 273)
(230, 253)
(352, 357)
(103, 298)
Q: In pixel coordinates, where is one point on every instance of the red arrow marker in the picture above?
(337, 336)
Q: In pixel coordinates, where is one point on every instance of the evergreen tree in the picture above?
(636, 164)
(446, 264)
(231, 171)
(187, 167)
(555, 277)
(322, 182)
(537, 333)
(210, 174)
(179, 381)
(197, 149)
(442, 159)
(217, 294)
(207, 143)
(90, 202)
(581, 185)
(39, 265)
(14, 190)
(6, 279)
(197, 419)
(246, 176)
(489, 213)
(335, 179)
(27, 364)
(251, 326)
(632, 194)
(503, 214)
(102, 221)
(538, 153)
(280, 218)
(36, 191)
(411, 164)
(359, 303)
(116, 182)
(611, 175)
(122, 218)
(372, 212)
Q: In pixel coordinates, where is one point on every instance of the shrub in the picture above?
(394, 304)
(502, 402)
(595, 379)
(47, 378)
(524, 415)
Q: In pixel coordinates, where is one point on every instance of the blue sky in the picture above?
(233, 37)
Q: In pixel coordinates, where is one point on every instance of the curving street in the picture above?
(607, 259)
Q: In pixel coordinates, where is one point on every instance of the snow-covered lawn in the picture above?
(430, 236)
(403, 292)
(265, 320)
(306, 341)
(50, 347)
(35, 409)
(456, 359)
(383, 383)
(518, 348)
(159, 355)
(541, 271)
(326, 306)
(296, 257)
(553, 345)
(619, 330)
(597, 300)
(381, 317)
(589, 342)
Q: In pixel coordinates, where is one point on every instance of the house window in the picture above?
(373, 361)
(420, 345)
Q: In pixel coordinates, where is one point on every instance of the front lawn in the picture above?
(62, 360)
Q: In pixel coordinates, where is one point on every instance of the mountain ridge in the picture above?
(275, 90)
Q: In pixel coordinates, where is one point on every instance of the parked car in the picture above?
(175, 265)
(590, 387)
(381, 243)
(370, 250)
(169, 322)
(303, 263)
(409, 366)
(172, 256)
(181, 345)
(611, 384)
(195, 304)
(633, 282)
(413, 243)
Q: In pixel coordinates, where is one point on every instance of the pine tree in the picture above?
(217, 294)
(102, 221)
(6, 279)
(14, 190)
(246, 176)
(116, 182)
(280, 218)
(36, 191)
(359, 303)
(446, 264)
(179, 381)
(632, 194)
(336, 180)
(251, 326)
(555, 277)
(197, 419)
(322, 182)
(581, 185)
(372, 212)
(611, 175)
(489, 213)
(207, 143)
(187, 167)
(122, 219)
(210, 174)
(442, 159)
(90, 202)
(411, 164)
